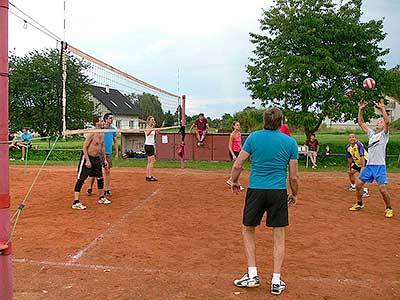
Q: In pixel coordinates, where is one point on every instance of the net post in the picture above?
(6, 288)
(64, 83)
(183, 128)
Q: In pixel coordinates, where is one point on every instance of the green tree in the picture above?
(309, 53)
(391, 85)
(250, 119)
(35, 89)
(149, 105)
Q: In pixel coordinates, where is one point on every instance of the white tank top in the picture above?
(149, 138)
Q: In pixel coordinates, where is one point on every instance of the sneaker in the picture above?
(389, 212)
(241, 188)
(351, 188)
(104, 200)
(78, 205)
(107, 193)
(246, 281)
(152, 179)
(229, 182)
(89, 192)
(356, 207)
(365, 193)
(199, 144)
(277, 289)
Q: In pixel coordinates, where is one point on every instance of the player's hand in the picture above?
(105, 163)
(234, 157)
(88, 164)
(292, 200)
(3, 246)
(235, 187)
(362, 104)
(381, 104)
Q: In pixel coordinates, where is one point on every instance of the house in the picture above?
(107, 100)
(392, 107)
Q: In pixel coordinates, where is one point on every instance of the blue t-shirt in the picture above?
(27, 138)
(109, 139)
(270, 152)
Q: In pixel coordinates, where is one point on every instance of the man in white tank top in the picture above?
(376, 165)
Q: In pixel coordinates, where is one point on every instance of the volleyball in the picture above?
(369, 83)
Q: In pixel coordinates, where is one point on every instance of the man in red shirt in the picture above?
(202, 127)
(285, 129)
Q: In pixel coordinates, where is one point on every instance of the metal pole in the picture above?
(183, 128)
(6, 288)
(64, 82)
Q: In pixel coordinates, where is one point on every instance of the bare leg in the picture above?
(76, 196)
(150, 165)
(249, 245)
(385, 194)
(203, 136)
(107, 178)
(359, 188)
(23, 152)
(279, 248)
(197, 136)
(91, 182)
(352, 177)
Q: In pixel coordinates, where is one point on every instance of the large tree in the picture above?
(308, 53)
(35, 89)
(149, 105)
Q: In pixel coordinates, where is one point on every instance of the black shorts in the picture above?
(149, 150)
(259, 201)
(235, 152)
(94, 171)
(355, 167)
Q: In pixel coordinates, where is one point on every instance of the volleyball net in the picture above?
(106, 76)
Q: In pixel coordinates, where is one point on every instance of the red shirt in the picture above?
(285, 129)
(201, 125)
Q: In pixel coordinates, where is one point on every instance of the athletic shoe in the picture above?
(153, 178)
(365, 193)
(356, 207)
(89, 192)
(199, 144)
(351, 188)
(389, 212)
(241, 188)
(229, 182)
(107, 193)
(104, 200)
(277, 289)
(246, 281)
(78, 205)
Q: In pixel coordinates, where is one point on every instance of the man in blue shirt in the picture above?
(110, 138)
(272, 152)
(26, 138)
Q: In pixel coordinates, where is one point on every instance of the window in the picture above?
(131, 124)
(113, 103)
(118, 124)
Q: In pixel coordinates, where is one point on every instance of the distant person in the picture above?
(376, 165)
(90, 164)
(272, 152)
(110, 138)
(234, 146)
(26, 138)
(13, 142)
(313, 149)
(149, 147)
(357, 158)
(202, 128)
(285, 129)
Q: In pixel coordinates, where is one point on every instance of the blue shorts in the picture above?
(372, 172)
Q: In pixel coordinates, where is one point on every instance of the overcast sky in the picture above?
(207, 41)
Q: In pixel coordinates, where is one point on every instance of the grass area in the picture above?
(327, 164)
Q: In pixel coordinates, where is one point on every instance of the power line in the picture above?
(42, 28)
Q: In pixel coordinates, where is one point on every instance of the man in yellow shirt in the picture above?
(357, 158)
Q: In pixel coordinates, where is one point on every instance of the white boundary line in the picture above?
(105, 268)
(76, 257)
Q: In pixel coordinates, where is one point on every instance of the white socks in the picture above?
(276, 278)
(252, 272)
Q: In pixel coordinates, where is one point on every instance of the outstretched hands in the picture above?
(381, 104)
(362, 104)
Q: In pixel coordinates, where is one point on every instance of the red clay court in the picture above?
(180, 238)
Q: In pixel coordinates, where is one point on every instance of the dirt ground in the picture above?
(180, 238)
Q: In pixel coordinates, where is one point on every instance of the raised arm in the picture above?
(116, 147)
(361, 122)
(191, 128)
(381, 106)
